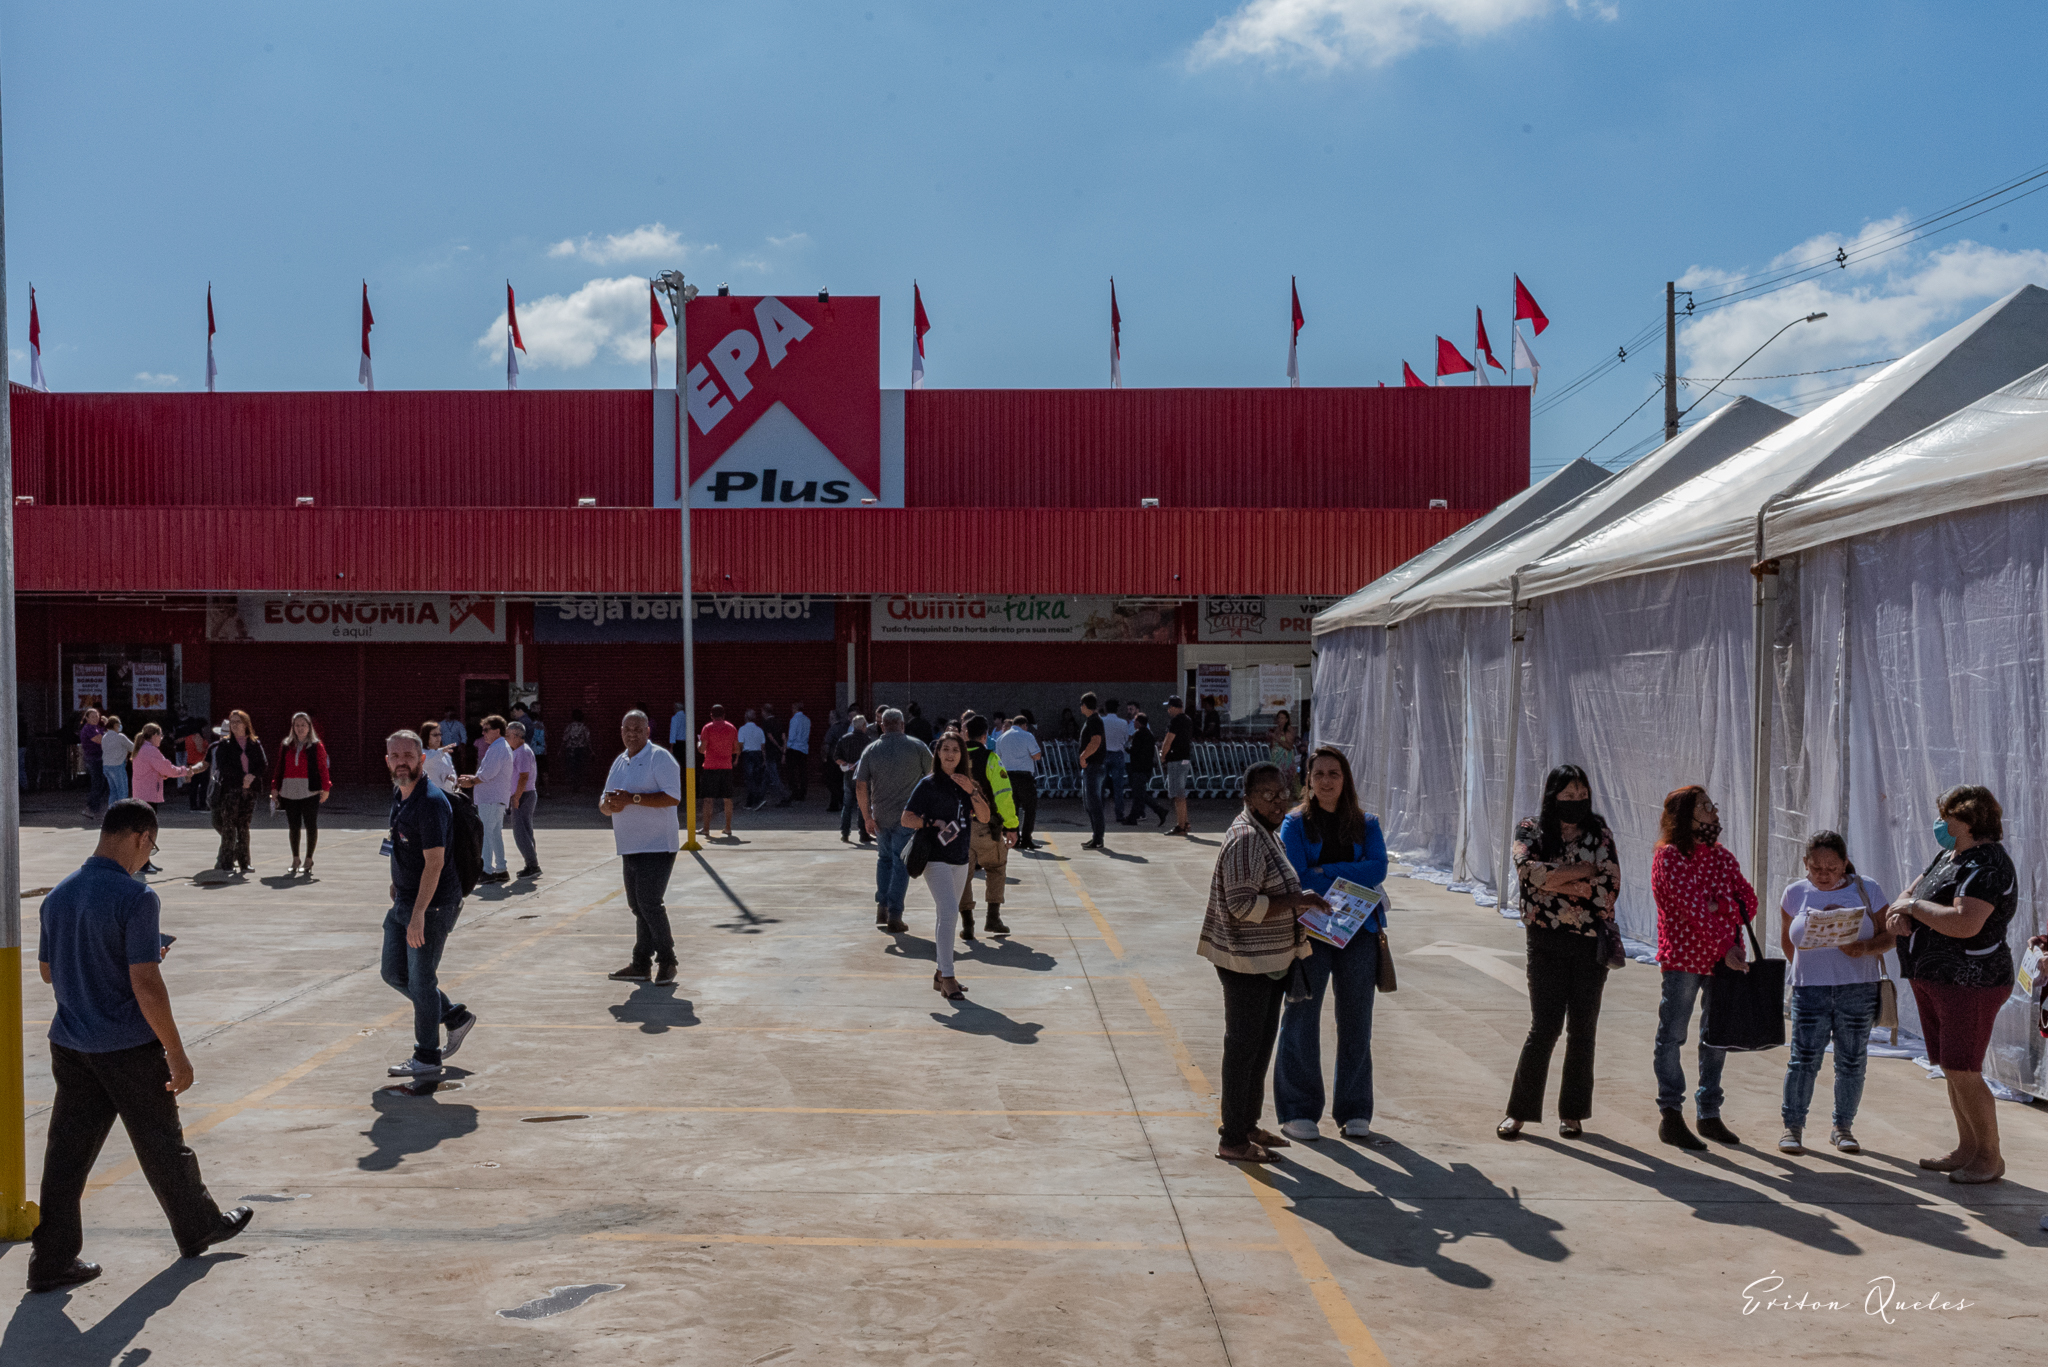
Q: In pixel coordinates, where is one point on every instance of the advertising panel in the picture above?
(149, 686)
(1276, 619)
(88, 687)
(1022, 617)
(316, 617)
(657, 619)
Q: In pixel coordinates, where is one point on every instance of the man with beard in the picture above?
(426, 897)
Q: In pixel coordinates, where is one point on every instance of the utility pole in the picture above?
(1670, 359)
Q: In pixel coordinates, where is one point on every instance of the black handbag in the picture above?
(923, 846)
(1745, 1010)
(1607, 945)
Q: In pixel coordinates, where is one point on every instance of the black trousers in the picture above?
(303, 811)
(1566, 979)
(1024, 792)
(1251, 1022)
(233, 808)
(1141, 797)
(92, 1091)
(796, 774)
(646, 886)
(835, 786)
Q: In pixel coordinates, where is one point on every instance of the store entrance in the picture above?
(482, 696)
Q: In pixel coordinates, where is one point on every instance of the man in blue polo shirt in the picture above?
(426, 897)
(114, 1052)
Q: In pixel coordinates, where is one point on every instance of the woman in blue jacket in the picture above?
(1328, 837)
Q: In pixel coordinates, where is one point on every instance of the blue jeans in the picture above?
(416, 973)
(1298, 1067)
(754, 773)
(849, 811)
(1120, 781)
(1674, 1014)
(1844, 1014)
(1091, 796)
(892, 877)
(117, 783)
(96, 787)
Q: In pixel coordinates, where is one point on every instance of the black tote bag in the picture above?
(1746, 1011)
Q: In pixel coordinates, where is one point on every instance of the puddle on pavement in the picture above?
(544, 1119)
(278, 1196)
(560, 1299)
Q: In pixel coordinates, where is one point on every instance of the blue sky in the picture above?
(1400, 159)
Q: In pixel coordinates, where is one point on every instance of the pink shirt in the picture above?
(523, 762)
(151, 769)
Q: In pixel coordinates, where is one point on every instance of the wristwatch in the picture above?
(636, 799)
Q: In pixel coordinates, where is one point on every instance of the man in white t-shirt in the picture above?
(754, 762)
(1116, 735)
(641, 795)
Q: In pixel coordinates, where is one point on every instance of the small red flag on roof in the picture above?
(920, 324)
(211, 370)
(1116, 339)
(364, 375)
(514, 342)
(1410, 380)
(1448, 361)
(1293, 363)
(1526, 307)
(656, 325)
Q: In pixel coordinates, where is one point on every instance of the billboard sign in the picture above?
(1275, 619)
(1021, 617)
(317, 617)
(657, 619)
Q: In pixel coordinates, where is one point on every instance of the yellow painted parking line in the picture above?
(989, 1245)
(1192, 1075)
(1116, 947)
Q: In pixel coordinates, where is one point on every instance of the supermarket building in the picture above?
(375, 559)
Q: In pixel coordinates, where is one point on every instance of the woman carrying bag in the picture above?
(1835, 984)
(301, 782)
(239, 770)
(939, 810)
(1326, 838)
(1569, 875)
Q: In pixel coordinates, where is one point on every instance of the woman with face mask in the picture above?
(1569, 875)
(1703, 902)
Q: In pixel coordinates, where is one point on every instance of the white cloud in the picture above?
(1876, 308)
(793, 240)
(155, 381)
(569, 331)
(1332, 33)
(648, 242)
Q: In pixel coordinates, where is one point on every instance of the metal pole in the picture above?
(1764, 602)
(1670, 359)
(18, 1215)
(688, 759)
(1507, 796)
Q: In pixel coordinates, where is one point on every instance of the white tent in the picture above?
(1912, 655)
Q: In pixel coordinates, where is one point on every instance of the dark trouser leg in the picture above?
(96, 787)
(294, 816)
(647, 878)
(1354, 982)
(79, 1121)
(1582, 1030)
(799, 776)
(835, 787)
(1024, 789)
(1251, 1019)
(224, 827)
(522, 829)
(310, 814)
(1298, 1070)
(416, 973)
(849, 808)
(1092, 798)
(1549, 969)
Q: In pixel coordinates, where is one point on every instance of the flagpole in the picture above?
(671, 283)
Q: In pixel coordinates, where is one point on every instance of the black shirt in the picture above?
(1141, 751)
(1182, 729)
(1984, 872)
(1092, 730)
(419, 823)
(948, 810)
(918, 729)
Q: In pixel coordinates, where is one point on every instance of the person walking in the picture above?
(796, 755)
(1116, 738)
(115, 748)
(917, 727)
(1094, 770)
(835, 778)
(301, 782)
(1020, 753)
(1141, 753)
(454, 735)
(889, 768)
(678, 727)
(1329, 836)
(152, 767)
(641, 795)
(89, 753)
(191, 735)
(1834, 984)
(1569, 876)
(440, 764)
(951, 802)
(1177, 758)
(239, 770)
(1703, 902)
(576, 747)
(525, 797)
(846, 755)
(426, 898)
(1251, 933)
(1953, 924)
(717, 745)
(491, 786)
(115, 1053)
(754, 761)
(773, 756)
(991, 837)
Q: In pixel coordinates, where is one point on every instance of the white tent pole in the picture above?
(1507, 797)
(1763, 602)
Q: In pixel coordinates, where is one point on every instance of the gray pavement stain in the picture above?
(559, 1301)
(302, 1196)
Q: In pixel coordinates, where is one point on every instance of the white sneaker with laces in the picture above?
(456, 1035)
(412, 1067)
(1357, 1129)
(1304, 1130)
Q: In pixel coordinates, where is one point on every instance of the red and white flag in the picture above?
(1293, 361)
(513, 342)
(1482, 348)
(35, 345)
(1525, 359)
(364, 376)
(1116, 340)
(1525, 307)
(919, 326)
(212, 371)
(1448, 361)
(656, 325)
(1410, 380)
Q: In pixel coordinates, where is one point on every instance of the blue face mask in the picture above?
(1942, 836)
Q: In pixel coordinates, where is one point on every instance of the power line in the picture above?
(1788, 375)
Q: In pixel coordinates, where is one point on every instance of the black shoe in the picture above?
(1710, 1127)
(845, 839)
(1091, 845)
(531, 871)
(666, 973)
(898, 928)
(1162, 818)
(995, 924)
(867, 840)
(78, 1274)
(881, 915)
(1671, 1130)
(499, 877)
(232, 1222)
(631, 973)
(967, 925)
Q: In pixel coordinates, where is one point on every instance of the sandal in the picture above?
(1569, 1129)
(1509, 1128)
(1271, 1141)
(293, 871)
(957, 990)
(1252, 1152)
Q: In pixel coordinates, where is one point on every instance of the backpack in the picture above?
(466, 842)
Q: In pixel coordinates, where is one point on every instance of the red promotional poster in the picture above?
(796, 377)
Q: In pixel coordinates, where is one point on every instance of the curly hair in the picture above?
(1974, 806)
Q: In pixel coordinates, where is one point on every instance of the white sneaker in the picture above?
(412, 1067)
(1357, 1129)
(1304, 1130)
(456, 1035)
(1844, 1141)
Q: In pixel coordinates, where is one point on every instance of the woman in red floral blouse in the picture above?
(1703, 901)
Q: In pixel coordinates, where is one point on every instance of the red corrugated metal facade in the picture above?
(1157, 552)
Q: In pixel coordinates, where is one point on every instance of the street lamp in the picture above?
(1809, 318)
(679, 294)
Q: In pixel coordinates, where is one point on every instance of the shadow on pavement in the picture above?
(42, 1333)
(410, 1124)
(971, 1019)
(656, 1009)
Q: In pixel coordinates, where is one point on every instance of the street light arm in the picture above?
(1809, 318)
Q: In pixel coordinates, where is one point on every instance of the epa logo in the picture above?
(773, 489)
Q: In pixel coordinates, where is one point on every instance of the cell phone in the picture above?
(166, 941)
